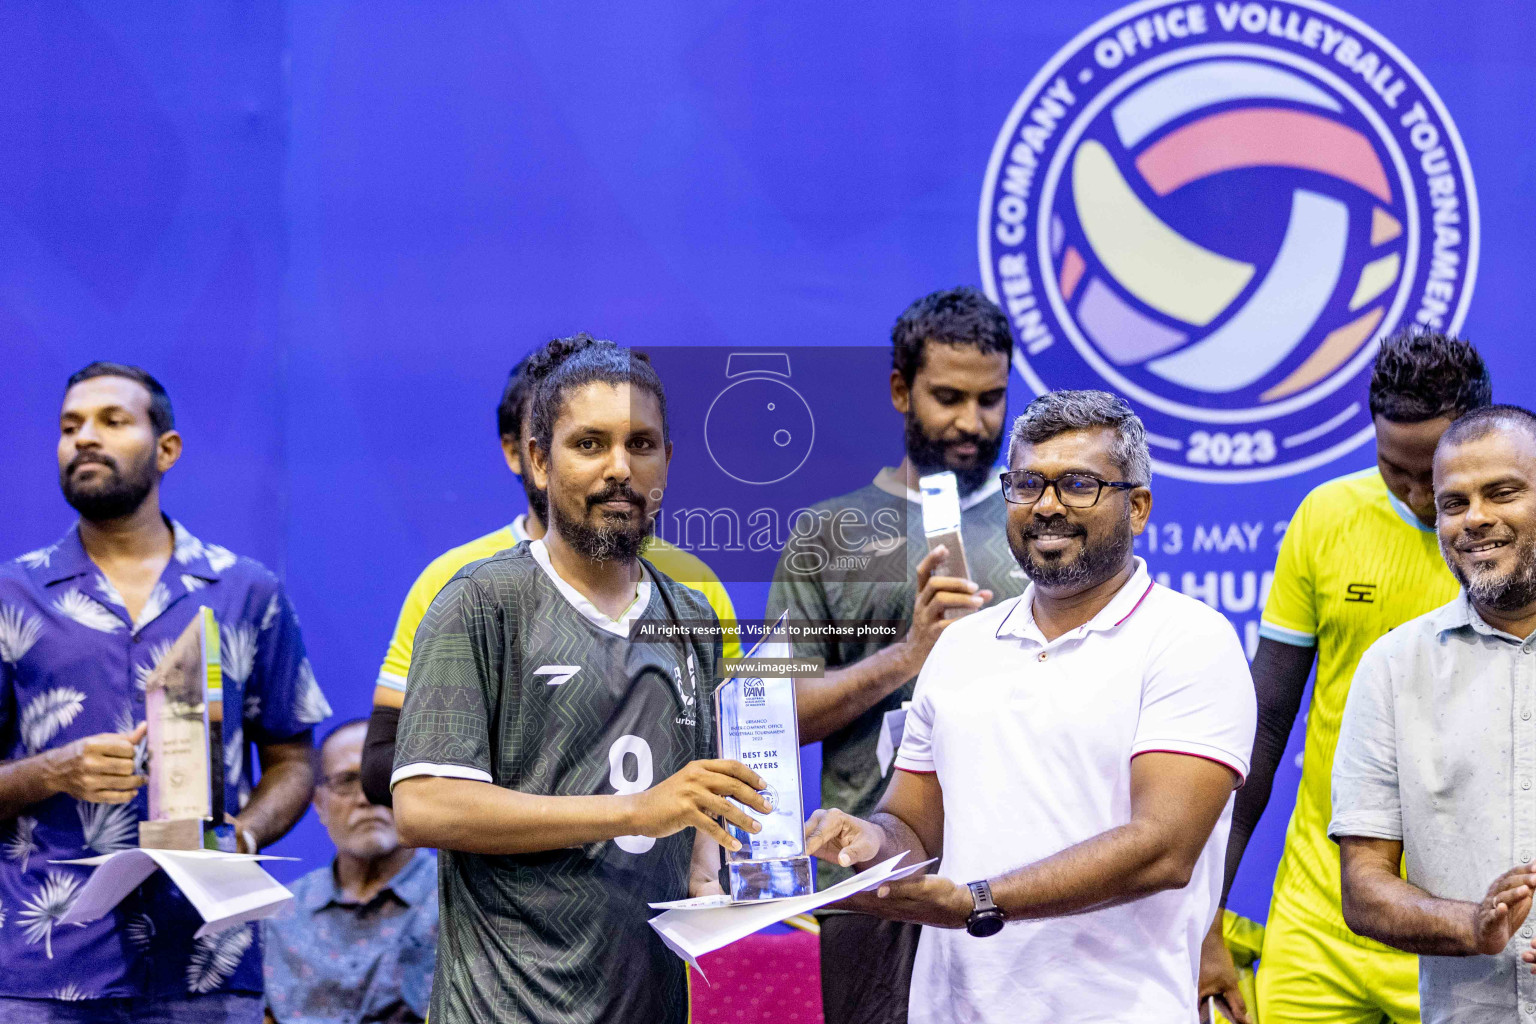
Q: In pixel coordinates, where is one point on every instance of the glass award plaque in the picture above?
(182, 695)
(758, 726)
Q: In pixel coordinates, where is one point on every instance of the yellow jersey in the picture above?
(670, 559)
(1355, 562)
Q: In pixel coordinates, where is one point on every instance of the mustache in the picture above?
(1465, 543)
(1054, 526)
(615, 492)
(371, 817)
(90, 458)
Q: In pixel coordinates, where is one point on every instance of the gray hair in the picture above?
(1058, 412)
(1481, 422)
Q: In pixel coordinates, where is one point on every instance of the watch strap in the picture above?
(981, 896)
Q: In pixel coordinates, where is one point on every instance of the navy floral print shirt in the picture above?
(72, 664)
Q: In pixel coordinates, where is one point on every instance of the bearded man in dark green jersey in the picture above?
(950, 354)
(561, 766)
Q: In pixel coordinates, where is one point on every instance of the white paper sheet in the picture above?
(226, 888)
(690, 932)
(707, 902)
(724, 899)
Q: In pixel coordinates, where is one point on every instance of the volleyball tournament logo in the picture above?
(1217, 210)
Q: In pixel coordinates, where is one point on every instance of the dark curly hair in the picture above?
(525, 377)
(1420, 375)
(956, 316)
(601, 362)
(161, 417)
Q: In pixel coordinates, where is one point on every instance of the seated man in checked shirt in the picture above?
(359, 940)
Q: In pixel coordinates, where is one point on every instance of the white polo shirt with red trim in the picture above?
(1032, 743)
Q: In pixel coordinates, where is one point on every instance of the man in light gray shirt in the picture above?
(1436, 762)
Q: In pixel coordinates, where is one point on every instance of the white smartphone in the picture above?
(941, 525)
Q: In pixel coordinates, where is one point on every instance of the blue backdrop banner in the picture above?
(332, 227)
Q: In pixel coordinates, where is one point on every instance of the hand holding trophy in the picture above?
(183, 697)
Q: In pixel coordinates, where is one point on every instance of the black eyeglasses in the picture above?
(1074, 490)
(343, 783)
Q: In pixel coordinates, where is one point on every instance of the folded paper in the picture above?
(227, 889)
(691, 928)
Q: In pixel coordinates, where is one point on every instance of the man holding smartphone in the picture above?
(949, 379)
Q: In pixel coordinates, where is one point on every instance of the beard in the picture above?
(1507, 592)
(538, 501)
(931, 455)
(1096, 562)
(619, 538)
(372, 842)
(116, 495)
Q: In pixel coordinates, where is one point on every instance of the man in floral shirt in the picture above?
(82, 624)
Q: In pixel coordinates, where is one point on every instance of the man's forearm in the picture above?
(1250, 803)
(898, 838)
(1280, 674)
(1383, 906)
(1123, 864)
(279, 800)
(24, 782)
(478, 817)
(830, 703)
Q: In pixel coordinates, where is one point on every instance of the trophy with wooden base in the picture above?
(183, 697)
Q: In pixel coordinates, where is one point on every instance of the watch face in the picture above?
(984, 923)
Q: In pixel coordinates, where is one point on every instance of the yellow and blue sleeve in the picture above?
(1290, 613)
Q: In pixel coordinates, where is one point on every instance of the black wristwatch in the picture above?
(986, 919)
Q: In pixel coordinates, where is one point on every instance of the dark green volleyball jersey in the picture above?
(520, 681)
(821, 576)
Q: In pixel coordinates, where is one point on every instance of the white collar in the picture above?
(519, 528)
(891, 482)
(591, 612)
(1019, 623)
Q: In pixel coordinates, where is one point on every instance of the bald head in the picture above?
(1487, 420)
(1485, 502)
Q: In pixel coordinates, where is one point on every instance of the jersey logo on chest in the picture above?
(557, 673)
(686, 691)
(1360, 593)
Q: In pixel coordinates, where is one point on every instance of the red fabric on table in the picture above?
(763, 979)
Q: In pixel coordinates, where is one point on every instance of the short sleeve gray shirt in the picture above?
(1438, 750)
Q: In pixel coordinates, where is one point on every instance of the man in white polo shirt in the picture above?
(1070, 755)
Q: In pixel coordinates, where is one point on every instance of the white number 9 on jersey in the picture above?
(644, 775)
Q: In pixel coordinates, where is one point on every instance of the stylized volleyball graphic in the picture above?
(1219, 217)
(1285, 303)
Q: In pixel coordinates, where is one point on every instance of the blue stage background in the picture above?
(331, 227)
